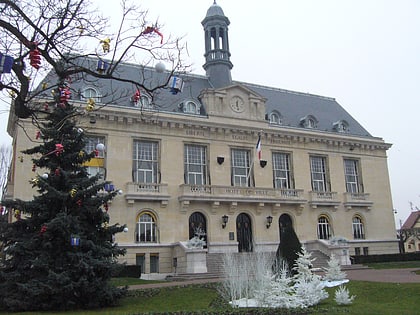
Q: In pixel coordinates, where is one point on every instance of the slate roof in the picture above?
(291, 105)
(214, 10)
(411, 220)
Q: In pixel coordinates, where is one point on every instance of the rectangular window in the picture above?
(351, 173)
(281, 170)
(96, 165)
(241, 168)
(140, 261)
(92, 143)
(357, 251)
(154, 263)
(319, 173)
(365, 251)
(195, 166)
(145, 161)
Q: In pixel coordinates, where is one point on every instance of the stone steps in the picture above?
(215, 266)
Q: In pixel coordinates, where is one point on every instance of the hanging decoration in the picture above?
(17, 214)
(73, 192)
(106, 207)
(34, 181)
(90, 105)
(176, 85)
(33, 167)
(59, 148)
(43, 229)
(100, 147)
(44, 85)
(46, 107)
(65, 95)
(160, 67)
(102, 66)
(38, 135)
(151, 29)
(6, 63)
(12, 94)
(106, 44)
(75, 240)
(81, 29)
(79, 202)
(109, 187)
(35, 56)
(136, 97)
(57, 172)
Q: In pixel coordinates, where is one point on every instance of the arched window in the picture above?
(358, 228)
(275, 118)
(341, 126)
(324, 228)
(309, 121)
(146, 228)
(90, 92)
(190, 107)
(145, 102)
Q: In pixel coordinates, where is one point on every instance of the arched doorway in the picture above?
(285, 222)
(244, 233)
(198, 226)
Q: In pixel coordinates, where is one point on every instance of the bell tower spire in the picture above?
(217, 52)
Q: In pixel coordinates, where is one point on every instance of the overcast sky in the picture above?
(363, 53)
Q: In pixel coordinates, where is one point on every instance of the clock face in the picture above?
(237, 104)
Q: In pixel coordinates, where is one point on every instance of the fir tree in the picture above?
(308, 287)
(59, 250)
(334, 272)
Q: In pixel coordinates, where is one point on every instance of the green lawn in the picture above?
(395, 265)
(371, 298)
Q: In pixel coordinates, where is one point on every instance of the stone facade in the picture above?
(160, 210)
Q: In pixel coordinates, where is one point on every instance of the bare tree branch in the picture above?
(67, 31)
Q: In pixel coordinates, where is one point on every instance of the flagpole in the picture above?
(257, 149)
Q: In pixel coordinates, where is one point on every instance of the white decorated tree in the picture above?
(342, 296)
(307, 287)
(334, 272)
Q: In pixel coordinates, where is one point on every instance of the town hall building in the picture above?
(212, 165)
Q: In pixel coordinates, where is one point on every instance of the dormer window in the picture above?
(341, 126)
(309, 121)
(144, 102)
(275, 118)
(90, 92)
(190, 107)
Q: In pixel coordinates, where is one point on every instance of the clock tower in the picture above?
(217, 52)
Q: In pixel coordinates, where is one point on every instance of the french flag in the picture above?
(258, 147)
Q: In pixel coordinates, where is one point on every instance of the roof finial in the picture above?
(214, 2)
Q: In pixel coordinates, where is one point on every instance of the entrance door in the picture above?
(285, 223)
(198, 226)
(244, 233)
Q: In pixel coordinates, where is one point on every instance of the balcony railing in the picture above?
(323, 198)
(357, 200)
(240, 194)
(146, 191)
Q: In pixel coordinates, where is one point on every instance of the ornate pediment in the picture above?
(235, 101)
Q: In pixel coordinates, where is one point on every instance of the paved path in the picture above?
(405, 275)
